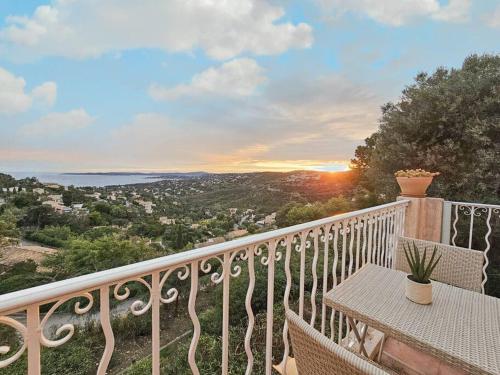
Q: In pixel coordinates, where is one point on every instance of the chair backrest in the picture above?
(458, 266)
(315, 354)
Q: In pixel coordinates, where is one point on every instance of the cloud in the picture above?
(294, 122)
(454, 11)
(58, 122)
(155, 141)
(90, 28)
(297, 121)
(29, 31)
(46, 93)
(493, 20)
(328, 103)
(13, 97)
(401, 12)
(239, 77)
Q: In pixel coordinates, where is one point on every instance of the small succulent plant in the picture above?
(420, 271)
(415, 173)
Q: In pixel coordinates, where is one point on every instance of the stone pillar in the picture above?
(424, 217)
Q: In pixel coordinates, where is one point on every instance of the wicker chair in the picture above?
(458, 266)
(315, 354)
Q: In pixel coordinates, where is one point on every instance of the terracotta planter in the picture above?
(417, 292)
(414, 186)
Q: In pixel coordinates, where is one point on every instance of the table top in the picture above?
(460, 327)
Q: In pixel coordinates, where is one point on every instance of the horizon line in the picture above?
(173, 172)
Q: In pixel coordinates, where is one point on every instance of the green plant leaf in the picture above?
(429, 268)
(411, 260)
(411, 255)
(410, 263)
(434, 265)
(422, 267)
(418, 262)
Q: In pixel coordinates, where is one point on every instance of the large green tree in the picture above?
(7, 180)
(297, 213)
(9, 233)
(83, 256)
(447, 121)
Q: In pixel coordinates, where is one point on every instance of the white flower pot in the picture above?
(417, 292)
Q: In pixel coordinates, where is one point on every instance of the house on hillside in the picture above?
(268, 220)
(166, 221)
(210, 241)
(148, 206)
(95, 195)
(55, 197)
(57, 206)
(78, 209)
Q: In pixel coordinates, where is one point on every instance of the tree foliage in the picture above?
(55, 236)
(24, 199)
(39, 216)
(9, 233)
(21, 275)
(83, 256)
(7, 180)
(73, 195)
(296, 213)
(449, 122)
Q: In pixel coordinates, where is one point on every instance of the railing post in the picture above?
(270, 304)
(446, 225)
(194, 318)
(225, 313)
(106, 329)
(33, 338)
(423, 218)
(155, 323)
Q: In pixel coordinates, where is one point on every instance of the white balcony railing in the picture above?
(335, 247)
(471, 225)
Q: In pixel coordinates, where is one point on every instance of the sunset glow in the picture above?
(285, 166)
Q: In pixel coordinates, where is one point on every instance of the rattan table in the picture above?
(460, 327)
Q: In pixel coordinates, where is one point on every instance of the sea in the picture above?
(96, 180)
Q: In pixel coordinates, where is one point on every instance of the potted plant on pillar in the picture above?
(418, 286)
(414, 182)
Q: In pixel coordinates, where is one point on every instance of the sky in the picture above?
(216, 85)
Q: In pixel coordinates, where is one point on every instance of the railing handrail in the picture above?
(485, 205)
(12, 302)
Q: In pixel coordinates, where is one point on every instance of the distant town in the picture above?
(179, 212)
